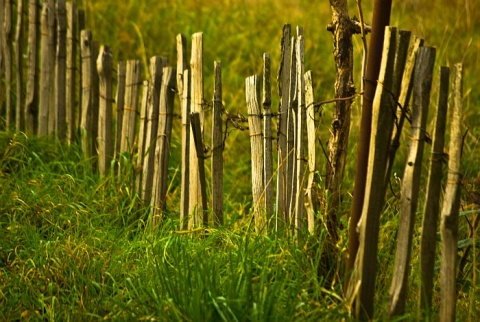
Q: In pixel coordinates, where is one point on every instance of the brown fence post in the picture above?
(217, 148)
(422, 84)
(120, 102)
(142, 133)
(432, 200)
(71, 106)
(311, 189)
(130, 110)
(60, 72)
(364, 273)
(185, 186)
(267, 137)
(7, 52)
(451, 204)
(197, 137)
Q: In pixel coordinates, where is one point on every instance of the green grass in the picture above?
(79, 247)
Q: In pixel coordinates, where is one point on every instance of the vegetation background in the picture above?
(78, 246)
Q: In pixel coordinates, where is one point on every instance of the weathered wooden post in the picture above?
(184, 195)
(31, 110)
(252, 86)
(105, 143)
(120, 100)
(71, 107)
(197, 136)
(217, 150)
(60, 72)
(311, 189)
(7, 51)
(130, 110)
(434, 190)
(451, 204)
(422, 84)
(267, 137)
(284, 92)
(20, 113)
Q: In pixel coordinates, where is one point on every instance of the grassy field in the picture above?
(79, 247)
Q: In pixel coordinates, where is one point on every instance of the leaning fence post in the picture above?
(410, 190)
(432, 201)
(256, 142)
(284, 92)
(217, 148)
(105, 146)
(364, 273)
(197, 136)
(267, 146)
(451, 204)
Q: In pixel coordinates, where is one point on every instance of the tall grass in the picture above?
(76, 246)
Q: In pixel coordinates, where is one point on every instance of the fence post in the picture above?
(142, 133)
(311, 191)
(197, 136)
(267, 137)
(364, 273)
(217, 150)
(130, 110)
(451, 204)
(185, 185)
(252, 85)
(156, 72)
(196, 65)
(7, 51)
(120, 100)
(432, 200)
(300, 135)
(31, 112)
(291, 123)
(60, 72)
(71, 106)
(283, 92)
(422, 84)
(162, 147)
(105, 144)
(20, 113)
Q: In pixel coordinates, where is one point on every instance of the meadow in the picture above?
(76, 246)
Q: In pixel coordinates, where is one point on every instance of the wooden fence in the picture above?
(68, 94)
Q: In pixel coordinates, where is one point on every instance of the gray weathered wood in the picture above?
(181, 63)
(291, 187)
(311, 189)
(52, 44)
(46, 76)
(61, 72)
(142, 133)
(362, 283)
(71, 105)
(20, 113)
(434, 190)
(451, 204)
(300, 135)
(105, 142)
(86, 124)
(120, 102)
(252, 86)
(31, 112)
(8, 64)
(197, 99)
(130, 110)
(197, 136)
(185, 180)
(156, 72)
(422, 84)
(284, 93)
(267, 137)
(217, 150)
(162, 147)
